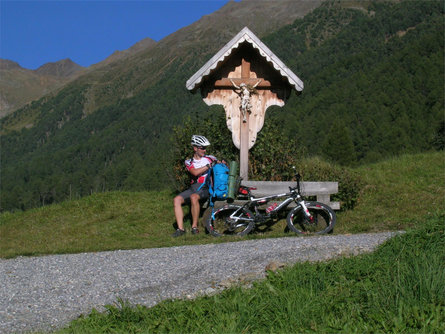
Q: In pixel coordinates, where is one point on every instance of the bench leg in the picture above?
(325, 198)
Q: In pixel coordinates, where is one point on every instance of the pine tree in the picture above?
(338, 146)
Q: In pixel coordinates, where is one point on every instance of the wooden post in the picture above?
(244, 149)
(244, 128)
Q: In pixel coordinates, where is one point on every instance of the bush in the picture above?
(271, 158)
(214, 129)
(349, 182)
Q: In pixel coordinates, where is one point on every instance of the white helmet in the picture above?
(198, 140)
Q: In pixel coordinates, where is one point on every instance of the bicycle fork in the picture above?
(307, 214)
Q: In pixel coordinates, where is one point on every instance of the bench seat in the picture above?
(322, 190)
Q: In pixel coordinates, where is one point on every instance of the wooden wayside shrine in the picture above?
(246, 78)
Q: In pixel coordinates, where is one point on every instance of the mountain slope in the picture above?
(62, 69)
(19, 86)
(127, 73)
(111, 128)
(378, 84)
(120, 55)
(116, 119)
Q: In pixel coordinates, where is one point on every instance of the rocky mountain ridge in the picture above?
(120, 55)
(20, 86)
(63, 68)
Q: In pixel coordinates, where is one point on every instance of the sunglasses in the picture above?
(202, 148)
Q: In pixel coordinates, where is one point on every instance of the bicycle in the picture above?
(307, 217)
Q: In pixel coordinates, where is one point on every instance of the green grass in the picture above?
(103, 221)
(400, 288)
(398, 192)
(397, 289)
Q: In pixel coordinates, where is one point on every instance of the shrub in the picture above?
(349, 182)
(214, 129)
(271, 158)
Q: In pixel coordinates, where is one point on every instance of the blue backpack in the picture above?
(218, 183)
(219, 186)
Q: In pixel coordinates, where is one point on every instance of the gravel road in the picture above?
(47, 292)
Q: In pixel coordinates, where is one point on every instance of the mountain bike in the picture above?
(307, 217)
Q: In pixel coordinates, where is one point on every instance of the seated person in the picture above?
(198, 167)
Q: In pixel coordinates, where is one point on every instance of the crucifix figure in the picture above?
(245, 91)
(245, 100)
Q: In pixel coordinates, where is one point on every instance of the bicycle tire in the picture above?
(323, 222)
(219, 225)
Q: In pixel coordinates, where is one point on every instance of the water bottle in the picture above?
(271, 208)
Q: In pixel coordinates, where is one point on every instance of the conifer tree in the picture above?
(338, 146)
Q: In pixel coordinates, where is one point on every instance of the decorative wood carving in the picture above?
(246, 78)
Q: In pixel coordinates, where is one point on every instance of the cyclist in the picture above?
(198, 167)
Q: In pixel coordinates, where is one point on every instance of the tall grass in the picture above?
(400, 288)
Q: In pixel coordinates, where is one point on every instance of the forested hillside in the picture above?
(373, 87)
(374, 80)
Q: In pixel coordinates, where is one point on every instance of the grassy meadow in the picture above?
(398, 289)
(397, 194)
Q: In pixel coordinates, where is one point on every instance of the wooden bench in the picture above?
(322, 190)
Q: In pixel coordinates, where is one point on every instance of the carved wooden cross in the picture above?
(227, 83)
(245, 60)
(245, 78)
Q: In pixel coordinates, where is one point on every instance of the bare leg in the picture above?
(179, 214)
(194, 199)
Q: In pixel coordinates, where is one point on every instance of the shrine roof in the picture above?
(244, 35)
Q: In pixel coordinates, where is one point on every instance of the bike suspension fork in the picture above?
(306, 211)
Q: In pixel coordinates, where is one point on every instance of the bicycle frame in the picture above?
(293, 195)
(307, 217)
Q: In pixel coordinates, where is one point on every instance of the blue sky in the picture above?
(33, 33)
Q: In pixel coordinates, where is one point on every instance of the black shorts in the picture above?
(203, 192)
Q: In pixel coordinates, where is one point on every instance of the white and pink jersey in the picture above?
(193, 163)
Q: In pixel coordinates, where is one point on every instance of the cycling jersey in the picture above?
(193, 163)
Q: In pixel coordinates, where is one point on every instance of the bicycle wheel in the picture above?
(230, 220)
(323, 221)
